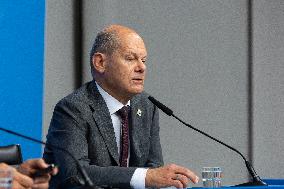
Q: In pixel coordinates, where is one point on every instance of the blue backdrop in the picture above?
(21, 72)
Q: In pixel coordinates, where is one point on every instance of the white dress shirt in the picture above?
(113, 105)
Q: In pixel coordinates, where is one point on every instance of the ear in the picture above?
(99, 62)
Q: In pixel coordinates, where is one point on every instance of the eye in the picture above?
(144, 61)
(130, 58)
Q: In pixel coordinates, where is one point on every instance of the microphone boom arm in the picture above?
(83, 172)
(256, 179)
(248, 165)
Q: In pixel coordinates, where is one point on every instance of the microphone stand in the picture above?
(88, 182)
(256, 180)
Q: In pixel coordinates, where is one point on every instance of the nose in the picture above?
(140, 67)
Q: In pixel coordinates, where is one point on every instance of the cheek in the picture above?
(125, 74)
(120, 73)
(126, 79)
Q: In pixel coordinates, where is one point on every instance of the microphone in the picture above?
(87, 181)
(256, 181)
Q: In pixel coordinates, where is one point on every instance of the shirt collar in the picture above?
(113, 104)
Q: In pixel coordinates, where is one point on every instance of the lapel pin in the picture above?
(139, 112)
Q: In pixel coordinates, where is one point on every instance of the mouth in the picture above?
(138, 80)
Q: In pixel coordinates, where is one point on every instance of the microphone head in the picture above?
(161, 106)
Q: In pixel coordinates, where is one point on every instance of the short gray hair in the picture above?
(106, 42)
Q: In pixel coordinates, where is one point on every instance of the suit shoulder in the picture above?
(142, 98)
(78, 97)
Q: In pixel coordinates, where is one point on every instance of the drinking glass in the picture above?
(211, 177)
(6, 176)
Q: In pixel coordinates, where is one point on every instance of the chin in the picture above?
(137, 90)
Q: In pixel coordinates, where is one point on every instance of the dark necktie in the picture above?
(124, 145)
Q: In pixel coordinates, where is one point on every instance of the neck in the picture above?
(123, 98)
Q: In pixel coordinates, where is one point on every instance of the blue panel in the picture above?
(274, 181)
(21, 72)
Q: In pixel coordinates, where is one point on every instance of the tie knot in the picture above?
(123, 112)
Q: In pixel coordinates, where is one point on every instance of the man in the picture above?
(23, 176)
(109, 125)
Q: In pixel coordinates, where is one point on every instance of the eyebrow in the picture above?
(134, 54)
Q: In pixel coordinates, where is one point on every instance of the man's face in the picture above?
(125, 69)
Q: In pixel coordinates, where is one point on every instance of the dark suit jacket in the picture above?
(81, 124)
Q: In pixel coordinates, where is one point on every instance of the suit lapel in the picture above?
(136, 134)
(103, 120)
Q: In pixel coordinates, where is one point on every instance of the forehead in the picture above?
(132, 43)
